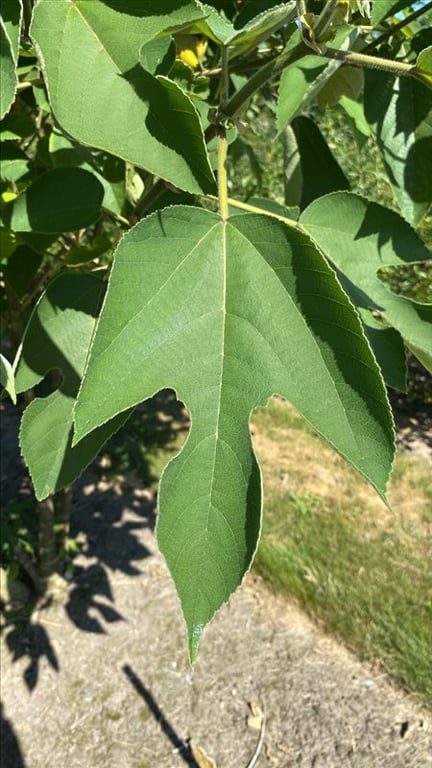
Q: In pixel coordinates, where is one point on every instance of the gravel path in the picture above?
(102, 678)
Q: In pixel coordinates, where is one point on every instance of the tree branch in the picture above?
(396, 27)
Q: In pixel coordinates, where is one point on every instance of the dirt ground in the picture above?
(101, 678)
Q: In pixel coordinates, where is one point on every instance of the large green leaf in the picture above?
(100, 94)
(360, 237)
(10, 29)
(57, 337)
(400, 114)
(228, 314)
(61, 200)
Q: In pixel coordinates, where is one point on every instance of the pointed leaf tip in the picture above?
(228, 314)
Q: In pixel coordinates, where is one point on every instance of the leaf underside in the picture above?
(228, 314)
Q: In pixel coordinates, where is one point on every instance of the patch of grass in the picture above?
(364, 571)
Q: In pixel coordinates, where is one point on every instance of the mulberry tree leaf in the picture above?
(227, 314)
(101, 96)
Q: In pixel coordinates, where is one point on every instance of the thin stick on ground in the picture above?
(252, 762)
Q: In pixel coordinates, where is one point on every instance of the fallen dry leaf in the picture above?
(255, 719)
(201, 757)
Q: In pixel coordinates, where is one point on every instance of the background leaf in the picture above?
(14, 163)
(303, 80)
(7, 378)
(295, 83)
(424, 60)
(385, 8)
(61, 200)
(227, 315)
(58, 337)
(158, 55)
(10, 29)
(360, 237)
(119, 107)
(399, 112)
(261, 26)
(22, 266)
(321, 173)
(110, 171)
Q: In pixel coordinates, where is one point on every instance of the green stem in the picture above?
(254, 209)
(224, 77)
(236, 103)
(222, 140)
(301, 8)
(245, 66)
(222, 174)
(325, 19)
(354, 59)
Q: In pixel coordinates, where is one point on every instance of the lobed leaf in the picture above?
(64, 152)
(228, 314)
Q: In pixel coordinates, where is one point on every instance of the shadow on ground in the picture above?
(181, 747)
(11, 750)
(112, 503)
